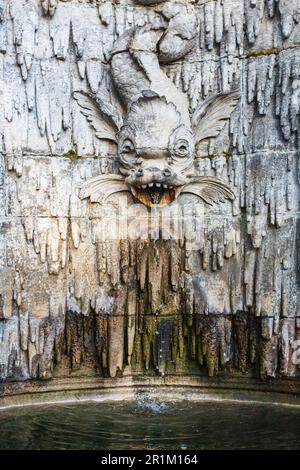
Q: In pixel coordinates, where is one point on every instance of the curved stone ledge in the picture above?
(191, 388)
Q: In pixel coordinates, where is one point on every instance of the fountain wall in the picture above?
(74, 304)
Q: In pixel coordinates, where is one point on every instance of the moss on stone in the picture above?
(267, 52)
(72, 155)
(264, 52)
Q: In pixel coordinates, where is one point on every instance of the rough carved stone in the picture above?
(156, 136)
(74, 302)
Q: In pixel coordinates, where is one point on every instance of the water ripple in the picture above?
(150, 424)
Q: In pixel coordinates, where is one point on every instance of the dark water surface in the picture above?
(148, 425)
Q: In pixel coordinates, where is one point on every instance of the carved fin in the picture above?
(210, 189)
(210, 118)
(98, 115)
(112, 111)
(98, 189)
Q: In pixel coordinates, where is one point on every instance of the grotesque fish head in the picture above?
(155, 150)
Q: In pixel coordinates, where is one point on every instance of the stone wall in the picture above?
(73, 303)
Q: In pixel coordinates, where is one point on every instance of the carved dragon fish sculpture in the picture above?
(156, 136)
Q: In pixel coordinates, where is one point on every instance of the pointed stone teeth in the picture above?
(158, 185)
(150, 185)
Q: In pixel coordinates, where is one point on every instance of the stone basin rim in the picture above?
(168, 389)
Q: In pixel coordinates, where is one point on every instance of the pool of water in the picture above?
(151, 425)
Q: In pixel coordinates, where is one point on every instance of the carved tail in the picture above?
(137, 55)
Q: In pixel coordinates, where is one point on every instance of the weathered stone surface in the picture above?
(75, 302)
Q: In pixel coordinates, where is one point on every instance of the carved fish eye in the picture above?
(181, 148)
(128, 146)
(127, 152)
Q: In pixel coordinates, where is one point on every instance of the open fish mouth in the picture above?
(209, 189)
(155, 194)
